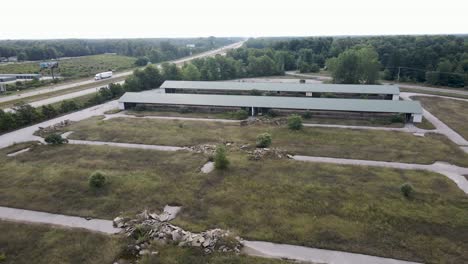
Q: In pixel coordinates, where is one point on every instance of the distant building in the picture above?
(190, 46)
(14, 77)
(288, 98)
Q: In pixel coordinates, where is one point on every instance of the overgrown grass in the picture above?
(85, 66)
(329, 142)
(39, 244)
(350, 208)
(453, 113)
(229, 115)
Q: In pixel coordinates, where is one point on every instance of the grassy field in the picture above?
(329, 142)
(22, 243)
(39, 244)
(85, 66)
(349, 208)
(445, 93)
(453, 113)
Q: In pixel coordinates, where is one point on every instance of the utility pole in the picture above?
(398, 78)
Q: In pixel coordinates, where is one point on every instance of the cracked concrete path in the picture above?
(314, 255)
(125, 145)
(441, 127)
(254, 248)
(20, 215)
(111, 116)
(452, 172)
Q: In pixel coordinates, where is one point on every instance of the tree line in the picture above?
(156, 50)
(437, 60)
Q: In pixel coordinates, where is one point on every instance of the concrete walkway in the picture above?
(409, 128)
(125, 145)
(20, 215)
(441, 127)
(314, 255)
(452, 172)
(111, 116)
(254, 248)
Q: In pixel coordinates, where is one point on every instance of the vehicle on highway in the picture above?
(103, 75)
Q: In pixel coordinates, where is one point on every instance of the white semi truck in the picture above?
(103, 75)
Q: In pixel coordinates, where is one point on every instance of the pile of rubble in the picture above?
(271, 153)
(207, 149)
(44, 131)
(264, 120)
(150, 227)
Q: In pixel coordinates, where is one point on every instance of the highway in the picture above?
(75, 84)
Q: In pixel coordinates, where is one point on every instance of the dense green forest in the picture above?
(156, 50)
(437, 60)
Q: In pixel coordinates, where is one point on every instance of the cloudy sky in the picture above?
(249, 18)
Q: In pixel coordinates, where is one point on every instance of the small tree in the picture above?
(295, 122)
(55, 139)
(97, 180)
(220, 159)
(407, 189)
(263, 140)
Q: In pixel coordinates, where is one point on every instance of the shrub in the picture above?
(263, 140)
(407, 189)
(397, 119)
(97, 180)
(2, 257)
(314, 67)
(272, 113)
(55, 139)
(307, 115)
(220, 159)
(240, 114)
(140, 108)
(295, 122)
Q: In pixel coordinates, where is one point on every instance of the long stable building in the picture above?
(386, 92)
(258, 105)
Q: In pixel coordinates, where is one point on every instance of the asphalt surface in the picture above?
(221, 50)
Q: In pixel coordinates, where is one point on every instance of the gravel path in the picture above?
(20, 215)
(315, 255)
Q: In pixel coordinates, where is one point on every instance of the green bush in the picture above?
(97, 180)
(407, 189)
(240, 114)
(295, 122)
(2, 257)
(397, 119)
(55, 139)
(220, 159)
(307, 115)
(272, 113)
(263, 140)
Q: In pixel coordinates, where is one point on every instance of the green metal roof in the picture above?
(279, 102)
(290, 87)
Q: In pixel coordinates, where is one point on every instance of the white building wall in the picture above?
(121, 106)
(396, 97)
(417, 118)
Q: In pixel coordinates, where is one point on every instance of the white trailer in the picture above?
(103, 75)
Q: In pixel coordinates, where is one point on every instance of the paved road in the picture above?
(221, 50)
(314, 255)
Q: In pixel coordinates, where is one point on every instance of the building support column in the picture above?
(253, 111)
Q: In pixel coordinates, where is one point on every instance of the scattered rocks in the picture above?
(147, 227)
(206, 149)
(44, 131)
(271, 153)
(264, 120)
(208, 167)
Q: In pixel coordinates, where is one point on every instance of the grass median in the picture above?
(329, 142)
(349, 208)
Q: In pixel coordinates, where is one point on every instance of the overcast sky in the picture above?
(42, 19)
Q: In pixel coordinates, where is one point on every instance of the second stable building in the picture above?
(386, 92)
(257, 105)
